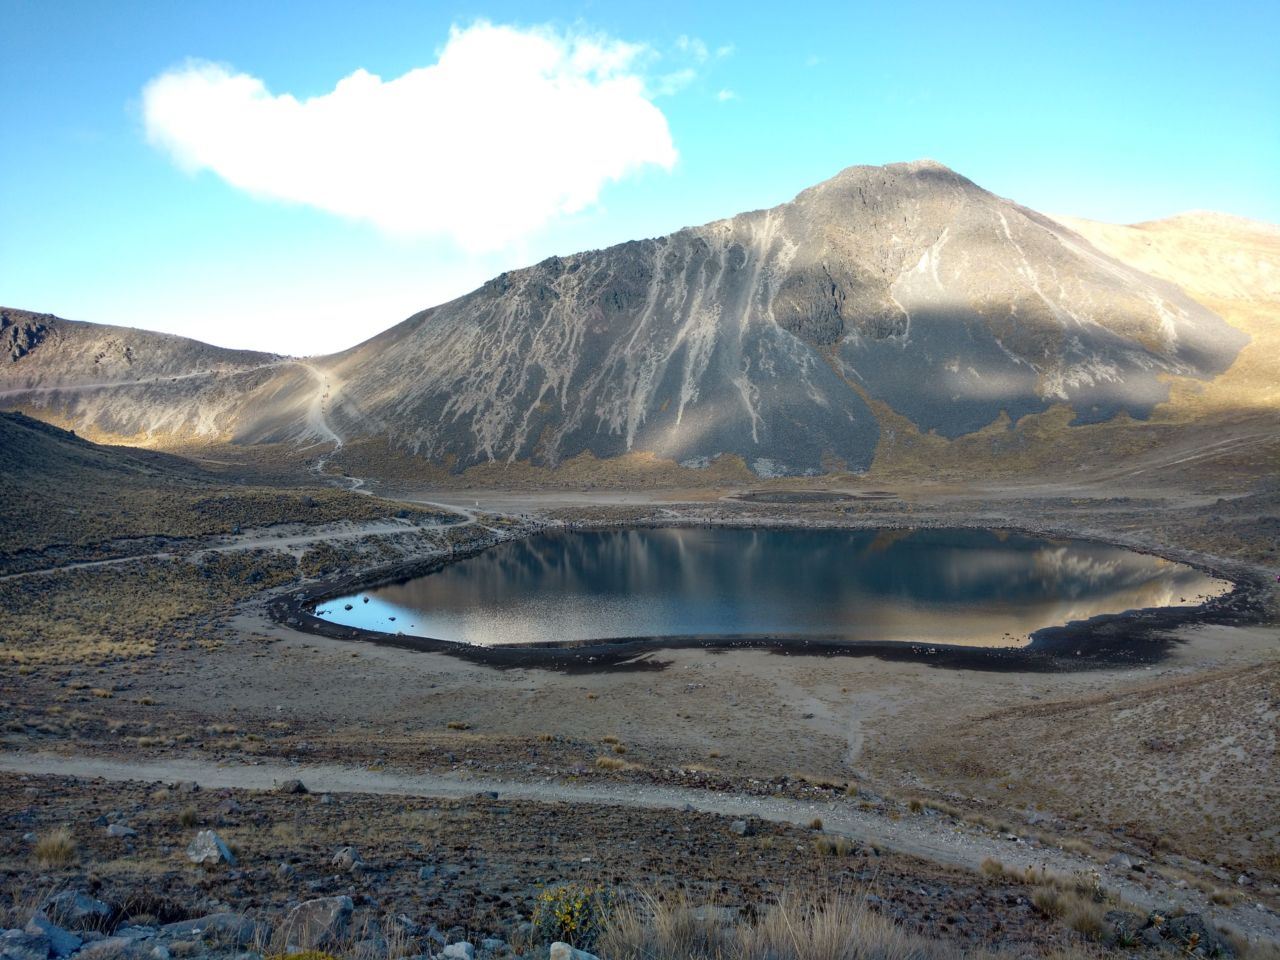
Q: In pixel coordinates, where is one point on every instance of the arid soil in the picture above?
(1170, 764)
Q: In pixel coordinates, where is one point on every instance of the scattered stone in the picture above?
(61, 942)
(562, 951)
(319, 923)
(426, 873)
(291, 786)
(20, 945)
(120, 830)
(459, 951)
(742, 828)
(1120, 862)
(77, 911)
(208, 848)
(187, 786)
(286, 870)
(493, 945)
(326, 799)
(220, 927)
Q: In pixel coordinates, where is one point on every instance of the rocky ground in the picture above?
(933, 767)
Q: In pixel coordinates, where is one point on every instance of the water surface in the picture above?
(973, 587)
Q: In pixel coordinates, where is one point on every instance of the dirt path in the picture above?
(932, 838)
(253, 540)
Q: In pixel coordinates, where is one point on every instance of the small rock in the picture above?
(187, 786)
(319, 923)
(159, 952)
(286, 870)
(132, 932)
(208, 848)
(459, 951)
(120, 830)
(20, 945)
(77, 911)
(426, 873)
(562, 951)
(742, 828)
(292, 786)
(1120, 862)
(326, 799)
(61, 942)
(493, 945)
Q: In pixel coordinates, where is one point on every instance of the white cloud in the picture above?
(509, 129)
(726, 95)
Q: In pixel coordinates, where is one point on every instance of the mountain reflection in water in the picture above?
(974, 587)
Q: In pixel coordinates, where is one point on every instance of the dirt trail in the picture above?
(932, 838)
(253, 540)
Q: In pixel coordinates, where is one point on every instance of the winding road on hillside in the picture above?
(932, 837)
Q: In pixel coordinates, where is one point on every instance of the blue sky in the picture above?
(146, 180)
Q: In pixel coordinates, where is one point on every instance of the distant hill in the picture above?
(885, 304)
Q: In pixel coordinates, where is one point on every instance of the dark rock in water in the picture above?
(317, 924)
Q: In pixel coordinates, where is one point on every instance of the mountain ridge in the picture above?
(768, 336)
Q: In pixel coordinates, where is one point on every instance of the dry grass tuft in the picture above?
(57, 848)
(829, 845)
(458, 725)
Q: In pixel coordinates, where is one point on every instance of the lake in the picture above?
(970, 587)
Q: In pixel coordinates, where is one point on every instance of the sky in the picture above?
(298, 177)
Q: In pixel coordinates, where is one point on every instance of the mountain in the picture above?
(791, 339)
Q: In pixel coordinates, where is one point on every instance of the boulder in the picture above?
(207, 848)
(319, 923)
(291, 786)
(562, 951)
(1120, 862)
(61, 942)
(1193, 936)
(77, 911)
(224, 928)
(20, 945)
(459, 951)
(742, 828)
(347, 858)
(120, 830)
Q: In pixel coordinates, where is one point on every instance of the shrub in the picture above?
(832, 846)
(990, 867)
(57, 848)
(571, 913)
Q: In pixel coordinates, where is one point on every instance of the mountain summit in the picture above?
(768, 336)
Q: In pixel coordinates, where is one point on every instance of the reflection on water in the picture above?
(978, 587)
